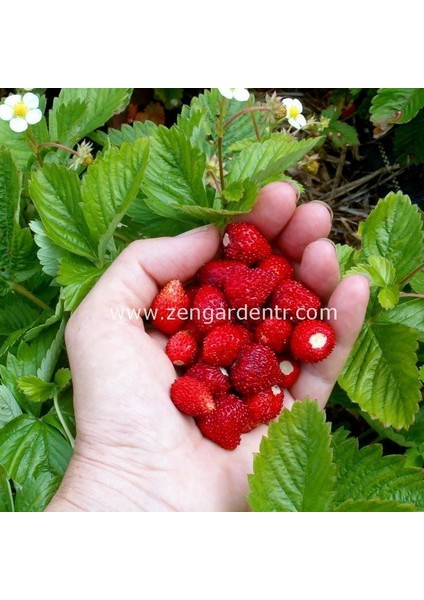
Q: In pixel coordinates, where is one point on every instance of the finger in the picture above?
(274, 208)
(309, 222)
(349, 303)
(319, 269)
(145, 265)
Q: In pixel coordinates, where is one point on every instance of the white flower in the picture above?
(21, 111)
(294, 112)
(240, 94)
(83, 156)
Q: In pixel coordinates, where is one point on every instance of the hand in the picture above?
(134, 450)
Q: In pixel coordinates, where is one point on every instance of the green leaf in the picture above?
(409, 312)
(79, 111)
(110, 185)
(174, 175)
(422, 373)
(380, 374)
(374, 506)
(56, 193)
(408, 141)
(15, 314)
(389, 296)
(366, 475)
(381, 271)
(395, 106)
(412, 437)
(36, 493)
(130, 133)
(6, 498)
(151, 224)
(18, 143)
(62, 378)
(49, 253)
(78, 276)
(417, 283)
(264, 161)
(347, 257)
(9, 203)
(36, 389)
(9, 408)
(342, 134)
(294, 470)
(48, 363)
(29, 446)
(394, 231)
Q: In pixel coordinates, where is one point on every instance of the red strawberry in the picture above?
(312, 341)
(245, 243)
(274, 333)
(216, 272)
(292, 300)
(279, 265)
(250, 289)
(191, 290)
(223, 344)
(181, 349)
(210, 308)
(215, 378)
(256, 369)
(192, 397)
(290, 371)
(170, 307)
(225, 425)
(263, 407)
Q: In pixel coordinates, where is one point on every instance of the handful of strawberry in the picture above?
(238, 333)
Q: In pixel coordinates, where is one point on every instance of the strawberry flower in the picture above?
(294, 115)
(240, 94)
(21, 111)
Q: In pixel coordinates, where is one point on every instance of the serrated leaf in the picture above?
(374, 506)
(56, 193)
(110, 185)
(28, 446)
(6, 498)
(380, 374)
(414, 436)
(37, 492)
(417, 283)
(366, 475)
(395, 105)
(9, 408)
(394, 231)
(409, 312)
(48, 252)
(36, 389)
(422, 374)
(77, 276)
(294, 470)
(174, 175)
(347, 257)
(342, 134)
(381, 271)
(263, 161)
(130, 133)
(151, 224)
(9, 201)
(48, 363)
(16, 314)
(62, 378)
(408, 141)
(79, 111)
(389, 296)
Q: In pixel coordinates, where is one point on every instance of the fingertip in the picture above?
(309, 223)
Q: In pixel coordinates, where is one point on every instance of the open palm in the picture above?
(134, 450)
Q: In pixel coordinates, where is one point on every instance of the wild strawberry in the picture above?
(274, 333)
(170, 307)
(245, 243)
(216, 272)
(256, 369)
(312, 341)
(263, 407)
(250, 289)
(215, 378)
(226, 423)
(191, 290)
(192, 397)
(181, 349)
(210, 308)
(279, 265)
(292, 300)
(290, 371)
(223, 344)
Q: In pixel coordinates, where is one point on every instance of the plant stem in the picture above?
(408, 295)
(17, 287)
(220, 132)
(411, 274)
(250, 109)
(255, 125)
(56, 145)
(62, 421)
(215, 180)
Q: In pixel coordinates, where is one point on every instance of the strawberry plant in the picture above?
(74, 194)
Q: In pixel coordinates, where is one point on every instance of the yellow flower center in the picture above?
(20, 109)
(293, 112)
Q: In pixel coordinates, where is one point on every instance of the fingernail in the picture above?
(330, 210)
(194, 231)
(295, 187)
(329, 241)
